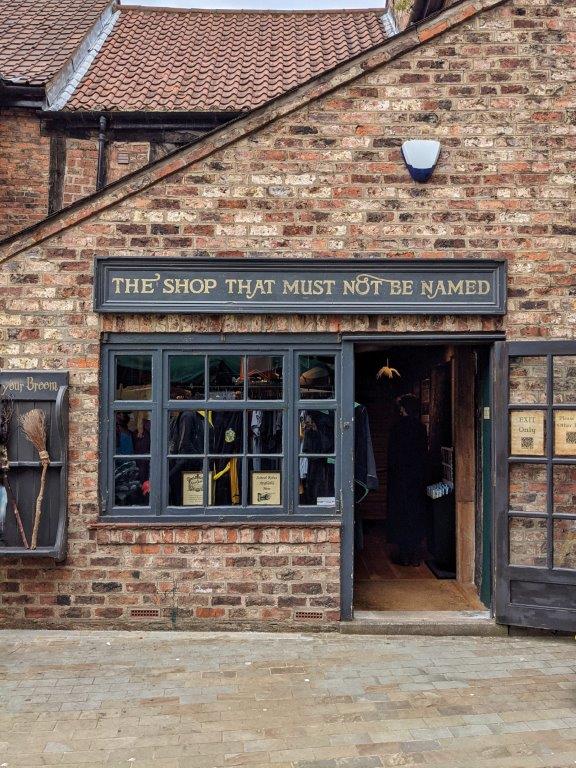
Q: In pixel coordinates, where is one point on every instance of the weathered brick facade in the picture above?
(323, 179)
(24, 169)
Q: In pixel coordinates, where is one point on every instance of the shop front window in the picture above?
(220, 433)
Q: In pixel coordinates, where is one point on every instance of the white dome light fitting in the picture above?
(421, 156)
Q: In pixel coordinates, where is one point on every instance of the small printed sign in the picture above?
(266, 489)
(565, 433)
(527, 433)
(326, 501)
(192, 489)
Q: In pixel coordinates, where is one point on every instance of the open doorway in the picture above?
(418, 536)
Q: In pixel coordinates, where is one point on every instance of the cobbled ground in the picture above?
(208, 700)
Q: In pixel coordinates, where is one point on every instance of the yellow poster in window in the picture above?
(527, 433)
(266, 489)
(565, 433)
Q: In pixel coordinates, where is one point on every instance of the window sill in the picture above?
(328, 522)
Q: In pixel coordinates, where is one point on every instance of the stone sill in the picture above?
(111, 526)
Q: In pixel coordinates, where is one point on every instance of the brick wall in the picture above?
(126, 157)
(326, 180)
(81, 169)
(24, 170)
(185, 576)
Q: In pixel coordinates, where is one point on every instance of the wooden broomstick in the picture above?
(6, 411)
(34, 425)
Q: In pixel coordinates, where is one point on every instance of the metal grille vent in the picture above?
(308, 615)
(145, 613)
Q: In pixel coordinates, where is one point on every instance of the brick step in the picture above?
(434, 623)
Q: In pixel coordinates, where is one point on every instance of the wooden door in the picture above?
(535, 484)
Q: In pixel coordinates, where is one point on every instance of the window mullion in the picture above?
(158, 445)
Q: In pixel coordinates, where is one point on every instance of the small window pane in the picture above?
(527, 541)
(265, 431)
(564, 379)
(186, 482)
(316, 431)
(133, 377)
(226, 432)
(565, 433)
(528, 488)
(564, 543)
(565, 489)
(316, 486)
(528, 380)
(265, 482)
(527, 433)
(132, 433)
(132, 482)
(265, 378)
(187, 377)
(226, 377)
(186, 432)
(317, 377)
(225, 479)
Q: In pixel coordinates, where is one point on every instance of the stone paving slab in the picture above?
(219, 700)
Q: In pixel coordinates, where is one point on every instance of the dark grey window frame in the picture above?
(161, 346)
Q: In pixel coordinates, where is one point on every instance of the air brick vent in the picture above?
(145, 613)
(303, 615)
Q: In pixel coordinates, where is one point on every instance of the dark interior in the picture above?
(381, 583)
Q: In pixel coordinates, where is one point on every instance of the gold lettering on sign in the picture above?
(29, 384)
(250, 288)
(565, 433)
(308, 287)
(527, 433)
(432, 289)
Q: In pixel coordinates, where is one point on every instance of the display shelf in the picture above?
(48, 392)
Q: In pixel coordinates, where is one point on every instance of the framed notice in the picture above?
(565, 433)
(527, 433)
(192, 489)
(266, 489)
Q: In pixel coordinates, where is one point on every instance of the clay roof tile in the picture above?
(38, 37)
(158, 59)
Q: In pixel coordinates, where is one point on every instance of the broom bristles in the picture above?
(34, 425)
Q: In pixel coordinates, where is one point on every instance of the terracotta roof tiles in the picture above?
(168, 60)
(38, 37)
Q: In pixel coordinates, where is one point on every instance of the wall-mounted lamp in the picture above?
(421, 156)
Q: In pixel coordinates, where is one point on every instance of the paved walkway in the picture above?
(207, 700)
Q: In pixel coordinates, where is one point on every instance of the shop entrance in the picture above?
(418, 530)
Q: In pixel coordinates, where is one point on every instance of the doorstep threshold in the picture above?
(435, 623)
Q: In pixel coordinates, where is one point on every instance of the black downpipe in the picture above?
(102, 142)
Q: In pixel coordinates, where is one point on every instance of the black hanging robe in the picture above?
(407, 468)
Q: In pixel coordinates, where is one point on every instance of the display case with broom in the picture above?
(33, 463)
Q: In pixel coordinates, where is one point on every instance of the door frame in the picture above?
(349, 342)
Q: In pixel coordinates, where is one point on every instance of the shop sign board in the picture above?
(300, 286)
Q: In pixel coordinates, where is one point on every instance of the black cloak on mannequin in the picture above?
(407, 475)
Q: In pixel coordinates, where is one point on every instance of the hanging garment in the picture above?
(316, 474)
(185, 436)
(365, 475)
(407, 476)
(227, 438)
